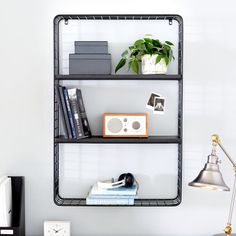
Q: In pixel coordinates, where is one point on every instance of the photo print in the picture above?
(159, 107)
(151, 101)
(156, 103)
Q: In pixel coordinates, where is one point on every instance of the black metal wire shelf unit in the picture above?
(98, 139)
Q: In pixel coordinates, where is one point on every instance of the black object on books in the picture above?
(79, 114)
(126, 180)
(18, 209)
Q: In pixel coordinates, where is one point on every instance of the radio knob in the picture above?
(136, 125)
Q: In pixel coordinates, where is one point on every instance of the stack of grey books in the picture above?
(90, 57)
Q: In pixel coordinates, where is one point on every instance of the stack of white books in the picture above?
(5, 201)
(115, 196)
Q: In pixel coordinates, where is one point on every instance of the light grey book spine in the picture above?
(83, 114)
(76, 113)
(112, 201)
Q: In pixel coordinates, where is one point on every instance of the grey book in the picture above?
(76, 113)
(83, 114)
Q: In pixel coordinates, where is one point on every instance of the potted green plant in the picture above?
(153, 55)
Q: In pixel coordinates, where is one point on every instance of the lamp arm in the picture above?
(227, 154)
(215, 141)
(232, 204)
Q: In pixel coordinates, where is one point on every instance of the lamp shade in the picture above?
(210, 177)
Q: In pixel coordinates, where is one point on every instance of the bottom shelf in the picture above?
(174, 198)
(137, 203)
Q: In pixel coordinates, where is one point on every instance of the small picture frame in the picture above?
(151, 100)
(159, 105)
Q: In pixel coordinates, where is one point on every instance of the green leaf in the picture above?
(170, 55)
(169, 43)
(157, 42)
(148, 40)
(129, 64)
(167, 46)
(134, 66)
(158, 59)
(131, 48)
(149, 48)
(134, 53)
(166, 60)
(138, 42)
(141, 47)
(125, 54)
(164, 51)
(120, 64)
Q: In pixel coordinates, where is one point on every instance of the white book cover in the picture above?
(132, 191)
(2, 206)
(2, 178)
(111, 201)
(5, 202)
(104, 196)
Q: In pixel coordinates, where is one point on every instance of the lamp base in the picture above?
(224, 235)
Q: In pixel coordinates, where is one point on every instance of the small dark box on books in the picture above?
(90, 63)
(92, 47)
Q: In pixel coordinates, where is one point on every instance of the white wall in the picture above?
(26, 62)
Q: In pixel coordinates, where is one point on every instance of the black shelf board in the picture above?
(118, 17)
(137, 202)
(100, 139)
(118, 77)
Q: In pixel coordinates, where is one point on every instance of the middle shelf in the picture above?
(100, 139)
(127, 96)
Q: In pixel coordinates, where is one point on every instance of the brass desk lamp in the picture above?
(210, 177)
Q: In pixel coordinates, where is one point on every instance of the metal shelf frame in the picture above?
(118, 77)
(98, 139)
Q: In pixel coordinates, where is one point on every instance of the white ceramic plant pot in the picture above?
(149, 65)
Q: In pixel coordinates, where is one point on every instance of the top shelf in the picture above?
(118, 77)
(169, 17)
